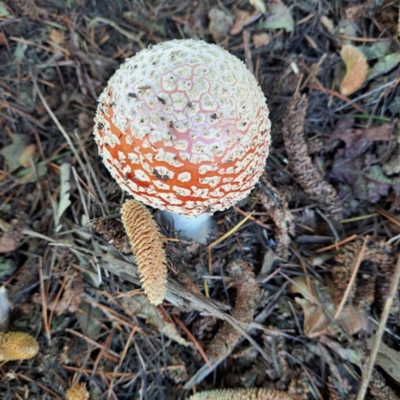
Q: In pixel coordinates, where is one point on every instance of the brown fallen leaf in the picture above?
(220, 23)
(72, 294)
(259, 5)
(379, 389)
(316, 321)
(243, 18)
(27, 155)
(261, 39)
(139, 306)
(328, 24)
(12, 235)
(388, 359)
(57, 40)
(3, 40)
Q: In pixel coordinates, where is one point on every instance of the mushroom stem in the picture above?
(4, 309)
(197, 228)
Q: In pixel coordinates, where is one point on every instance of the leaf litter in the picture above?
(66, 262)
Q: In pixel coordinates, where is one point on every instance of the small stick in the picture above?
(43, 298)
(193, 339)
(379, 333)
(60, 128)
(333, 246)
(230, 232)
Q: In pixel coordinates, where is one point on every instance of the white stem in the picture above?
(196, 228)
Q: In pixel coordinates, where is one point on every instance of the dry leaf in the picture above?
(379, 389)
(259, 5)
(12, 235)
(90, 318)
(3, 40)
(243, 18)
(113, 231)
(388, 359)
(57, 40)
(27, 155)
(31, 10)
(139, 306)
(316, 322)
(72, 294)
(260, 40)
(14, 151)
(328, 24)
(220, 23)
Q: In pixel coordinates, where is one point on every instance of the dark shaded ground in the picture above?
(77, 292)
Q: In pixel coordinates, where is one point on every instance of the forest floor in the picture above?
(317, 238)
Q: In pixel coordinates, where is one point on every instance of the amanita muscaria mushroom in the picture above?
(183, 127)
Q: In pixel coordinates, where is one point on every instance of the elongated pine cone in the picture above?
(356, 69)
(77, 392)
(17, 346)
(148, 249)
(241, 394)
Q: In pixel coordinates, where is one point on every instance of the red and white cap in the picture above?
(183, 126)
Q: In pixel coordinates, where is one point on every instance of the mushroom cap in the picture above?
(183, 126)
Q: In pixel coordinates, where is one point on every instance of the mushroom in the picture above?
(183, 127)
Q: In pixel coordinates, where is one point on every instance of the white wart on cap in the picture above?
(183, 126)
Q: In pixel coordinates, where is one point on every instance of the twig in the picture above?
(230, 232)
(43, 298)
(193, 339)
(60, 127)
(131, 36)
(379, 333)
(335, 245)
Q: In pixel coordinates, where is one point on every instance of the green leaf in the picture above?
(376, 50)
(4, 11)
(20, 52)
(13, 152)
(384, 65)
(279, 17)
(65, 202)
(32, 175)
(7, 267)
